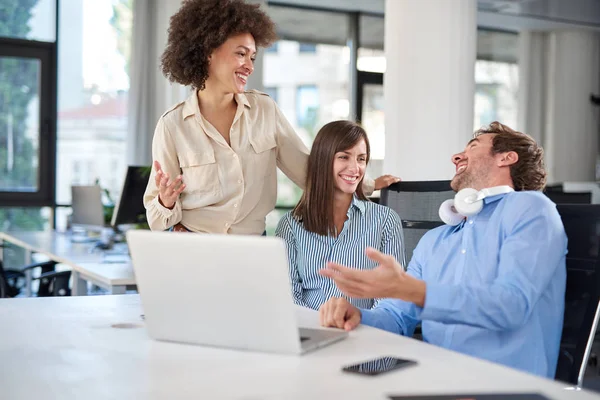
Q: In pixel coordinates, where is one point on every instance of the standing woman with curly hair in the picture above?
(215, 155)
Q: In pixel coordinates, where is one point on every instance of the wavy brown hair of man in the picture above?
(529, 172)
(200, 26)
(315, 208)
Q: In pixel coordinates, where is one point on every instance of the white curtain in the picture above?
(558, 70)
(533, 65)
(150, 93)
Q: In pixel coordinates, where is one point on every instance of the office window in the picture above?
(496, 90)
(312, 89)
(307, 48)
(21, 219)
(307, 108)
(24, 219)
(28, 19)
(496, 79)
(310, 72)
(373, 119)
(371, 57)
(272, 92)
(273, 49)
(310, 26)
(26, 100)
(93, 84)
(19, 123)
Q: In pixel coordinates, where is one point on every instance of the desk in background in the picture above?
(87, 265)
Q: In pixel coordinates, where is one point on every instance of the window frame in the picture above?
(46, 53)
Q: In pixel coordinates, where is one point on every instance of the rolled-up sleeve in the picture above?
(165, 152)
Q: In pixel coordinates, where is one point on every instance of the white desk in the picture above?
(69, 348)
(86, 266)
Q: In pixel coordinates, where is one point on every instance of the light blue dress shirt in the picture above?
(368, 225)
(495, 285)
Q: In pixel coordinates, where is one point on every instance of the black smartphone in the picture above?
(379, 366)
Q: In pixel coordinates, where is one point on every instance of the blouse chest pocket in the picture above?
(262, 156)
(200, 172)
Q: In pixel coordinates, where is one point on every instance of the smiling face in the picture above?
(475, 166)
(232, 63)
(349, 168)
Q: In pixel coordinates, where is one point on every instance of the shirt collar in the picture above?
(357, 203)
(486, 201)
(492, 199)
(191, 106)
(241, 98)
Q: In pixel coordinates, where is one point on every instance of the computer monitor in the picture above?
(130, 208)
(88, 212)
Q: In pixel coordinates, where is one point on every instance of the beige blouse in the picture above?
(229, 189)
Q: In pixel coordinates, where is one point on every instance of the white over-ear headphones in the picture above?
(467, 202)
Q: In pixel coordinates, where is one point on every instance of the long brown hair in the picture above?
(529, 172)
(315, 208)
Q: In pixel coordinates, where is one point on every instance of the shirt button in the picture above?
(463, 251)
(235, 205)
(239, 181)
(234, 155)
(470, 222)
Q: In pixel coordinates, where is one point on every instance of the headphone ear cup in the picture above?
(467, 209)
(448, 213)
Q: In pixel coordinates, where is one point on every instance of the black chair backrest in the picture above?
(560, 197)
(417, 203)
(582, 226)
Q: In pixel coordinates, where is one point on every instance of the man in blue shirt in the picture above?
(492, 286)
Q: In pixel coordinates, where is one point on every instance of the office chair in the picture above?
(560, 197)
(557, 194)
(417, 204)
(582, 297)
(51, 283)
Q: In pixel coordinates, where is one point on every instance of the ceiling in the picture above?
(499, 14)
(314, 26)
(577, 12)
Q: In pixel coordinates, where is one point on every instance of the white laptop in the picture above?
(220, 290)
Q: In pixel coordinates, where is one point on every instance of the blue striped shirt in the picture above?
(368, 225)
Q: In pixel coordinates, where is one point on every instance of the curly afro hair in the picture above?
(200, 26)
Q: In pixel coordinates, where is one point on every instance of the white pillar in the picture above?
(429, 85)
(572, 122)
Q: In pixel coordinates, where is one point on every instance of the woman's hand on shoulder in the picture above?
(385, 180)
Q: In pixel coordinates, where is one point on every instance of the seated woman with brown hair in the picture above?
(334, 221)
